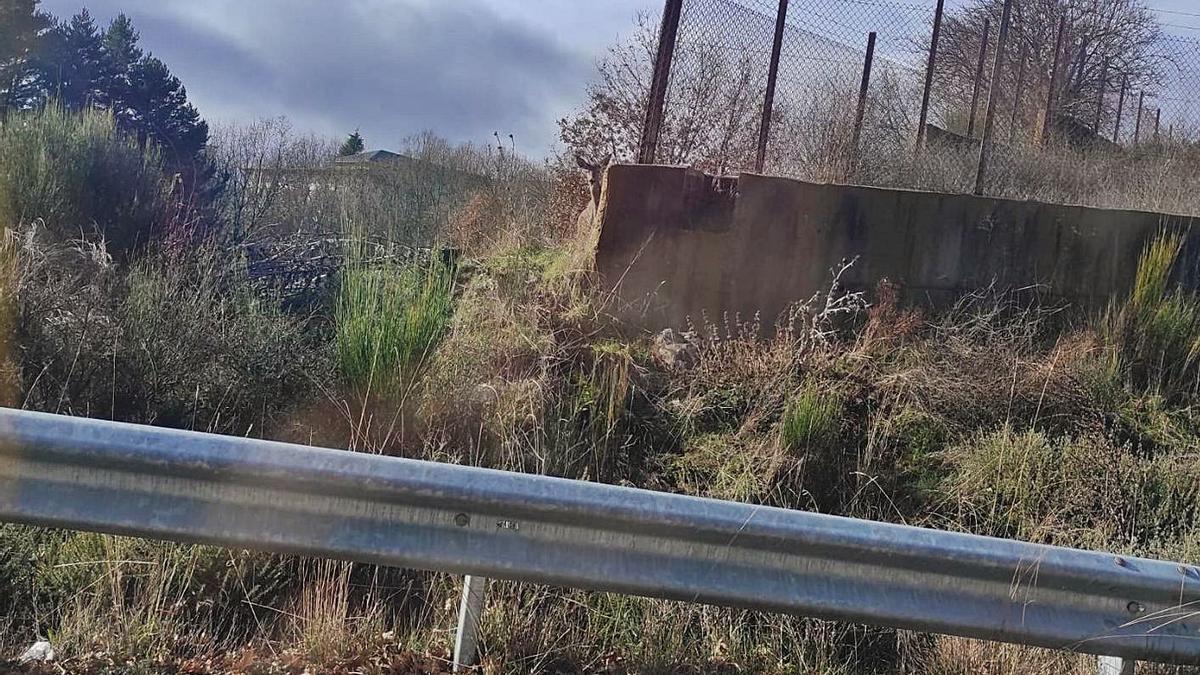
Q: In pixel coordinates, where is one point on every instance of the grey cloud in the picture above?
(391, 67)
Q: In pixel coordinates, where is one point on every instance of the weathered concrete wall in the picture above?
(675, 244)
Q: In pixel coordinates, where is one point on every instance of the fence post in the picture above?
(929, 66)
(1079, 68)
(987, 26)
(989, 117)
(1100, 96)
(1114, 665)
(1120, 109)
(1137, 127)
(862, 103)
(470, 608)
(764, 126)
(1018, 93)
(1157, 122)
(1048, 118)
(667, 34)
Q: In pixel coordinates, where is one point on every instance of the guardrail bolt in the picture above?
(462, 520)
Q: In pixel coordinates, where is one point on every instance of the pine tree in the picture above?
(123, 53)
(161, 113)
(22, 27)
(77, 66)
(353, 145)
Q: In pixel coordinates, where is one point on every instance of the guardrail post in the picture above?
(469, 610)
(667, 34)
(932, 63)
(764, 127)
(1115, 665)
(983, 45)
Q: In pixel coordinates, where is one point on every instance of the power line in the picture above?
(1175, 11)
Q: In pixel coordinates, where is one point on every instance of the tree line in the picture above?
(75, 64)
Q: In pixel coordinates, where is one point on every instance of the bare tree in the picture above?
(1123, 33)
(712, 105)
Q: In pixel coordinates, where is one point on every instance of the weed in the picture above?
(389, 321)
(811, 420)
(1154, 334)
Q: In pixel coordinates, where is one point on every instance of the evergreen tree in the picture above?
(352, 146)
(22, 26)
(77, 66)
(121, 46)
(162, 114)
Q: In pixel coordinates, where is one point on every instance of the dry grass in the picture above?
(1001, 416)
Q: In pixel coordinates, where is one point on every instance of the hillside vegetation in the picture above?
(995, 417)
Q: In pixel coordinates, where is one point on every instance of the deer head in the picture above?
(595, 173)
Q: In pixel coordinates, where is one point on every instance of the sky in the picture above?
(391, 68)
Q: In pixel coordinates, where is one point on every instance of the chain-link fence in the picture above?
(1071, 77)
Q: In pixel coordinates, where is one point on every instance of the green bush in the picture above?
(76, 174)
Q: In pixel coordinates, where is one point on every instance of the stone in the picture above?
(674, 350)
(39, 651)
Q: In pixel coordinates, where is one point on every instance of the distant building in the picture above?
(374, 158)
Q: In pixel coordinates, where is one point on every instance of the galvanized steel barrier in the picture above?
(193, 487)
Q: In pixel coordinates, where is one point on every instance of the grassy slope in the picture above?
(992, 418)
(899, 418)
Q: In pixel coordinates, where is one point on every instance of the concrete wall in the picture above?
(675, 243)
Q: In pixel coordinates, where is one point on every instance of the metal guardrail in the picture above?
(194, 487)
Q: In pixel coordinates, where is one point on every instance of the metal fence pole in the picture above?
(470, 609)
(1018, 92)
(989, 118)
(1100, 96)
(764, 126)
(1120, 109)
(1157, 122)
(667, 34)
(1079, 68)
(1048, 118)
(987, 26)
(929, 66)
(862, 103)
(1137, 126)
(1115, 665)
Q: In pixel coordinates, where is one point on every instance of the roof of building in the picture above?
(372, 157)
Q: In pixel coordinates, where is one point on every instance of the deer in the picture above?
(595, 171)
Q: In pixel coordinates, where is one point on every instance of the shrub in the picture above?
(77, 174)
(178, 342)
(1154, 335)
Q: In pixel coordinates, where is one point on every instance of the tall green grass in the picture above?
(76, 174)
(388, 323)
(1154, 335)
(811, 419)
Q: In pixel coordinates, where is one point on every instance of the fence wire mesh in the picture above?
(1130, 84)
